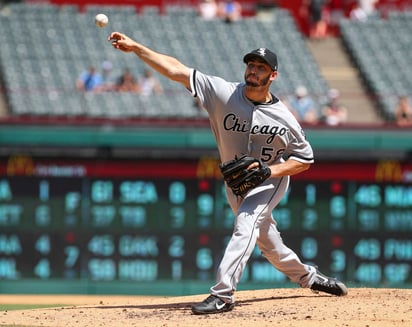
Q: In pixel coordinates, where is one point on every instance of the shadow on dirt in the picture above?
(187, 305)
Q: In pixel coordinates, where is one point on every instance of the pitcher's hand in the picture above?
(122, 42)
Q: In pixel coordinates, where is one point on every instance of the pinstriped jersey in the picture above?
(268, 131)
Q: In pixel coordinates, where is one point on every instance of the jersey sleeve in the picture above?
(209, 89)
(202, 88)
(299, 148)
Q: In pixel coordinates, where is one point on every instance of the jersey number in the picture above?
(267, 153)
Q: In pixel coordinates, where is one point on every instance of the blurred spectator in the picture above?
(127, 82)
(336, 13)
(304, 107)
(368, 6)
(107, 83)
(230, 10)
(89, 80)
(207, 9)
(334, 113)
(316, 13)
(357, 13)
(403, 112)
(148, 84)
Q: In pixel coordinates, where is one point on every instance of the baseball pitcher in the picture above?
(260, 145)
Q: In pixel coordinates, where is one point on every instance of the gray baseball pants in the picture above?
(254, 224)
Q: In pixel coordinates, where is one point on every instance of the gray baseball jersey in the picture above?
(268, 131)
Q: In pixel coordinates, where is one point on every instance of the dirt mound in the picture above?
(275, 307)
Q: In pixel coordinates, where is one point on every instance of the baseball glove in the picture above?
(241, 179)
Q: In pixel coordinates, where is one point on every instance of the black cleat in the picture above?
(329, 285)
(212, 304)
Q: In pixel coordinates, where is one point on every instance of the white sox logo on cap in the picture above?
(265, 54)
(262, 51)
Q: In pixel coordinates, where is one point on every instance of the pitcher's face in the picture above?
(258, 73)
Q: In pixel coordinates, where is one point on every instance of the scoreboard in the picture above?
(150, 220)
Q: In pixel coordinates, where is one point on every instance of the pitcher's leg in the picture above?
(237, 253)
(250, 212)
(286, 261)
(282, 257)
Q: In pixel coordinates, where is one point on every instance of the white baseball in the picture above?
(101, 20)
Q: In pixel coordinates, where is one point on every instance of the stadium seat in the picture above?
(381, 50)
(55, 44)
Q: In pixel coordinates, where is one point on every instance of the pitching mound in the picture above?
(275, 307)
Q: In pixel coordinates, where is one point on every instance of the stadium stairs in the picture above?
(3, 105)
(337, 69)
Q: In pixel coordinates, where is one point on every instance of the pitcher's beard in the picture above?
(252, 84)
(263, 82)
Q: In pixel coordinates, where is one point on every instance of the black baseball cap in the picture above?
(265, 54)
